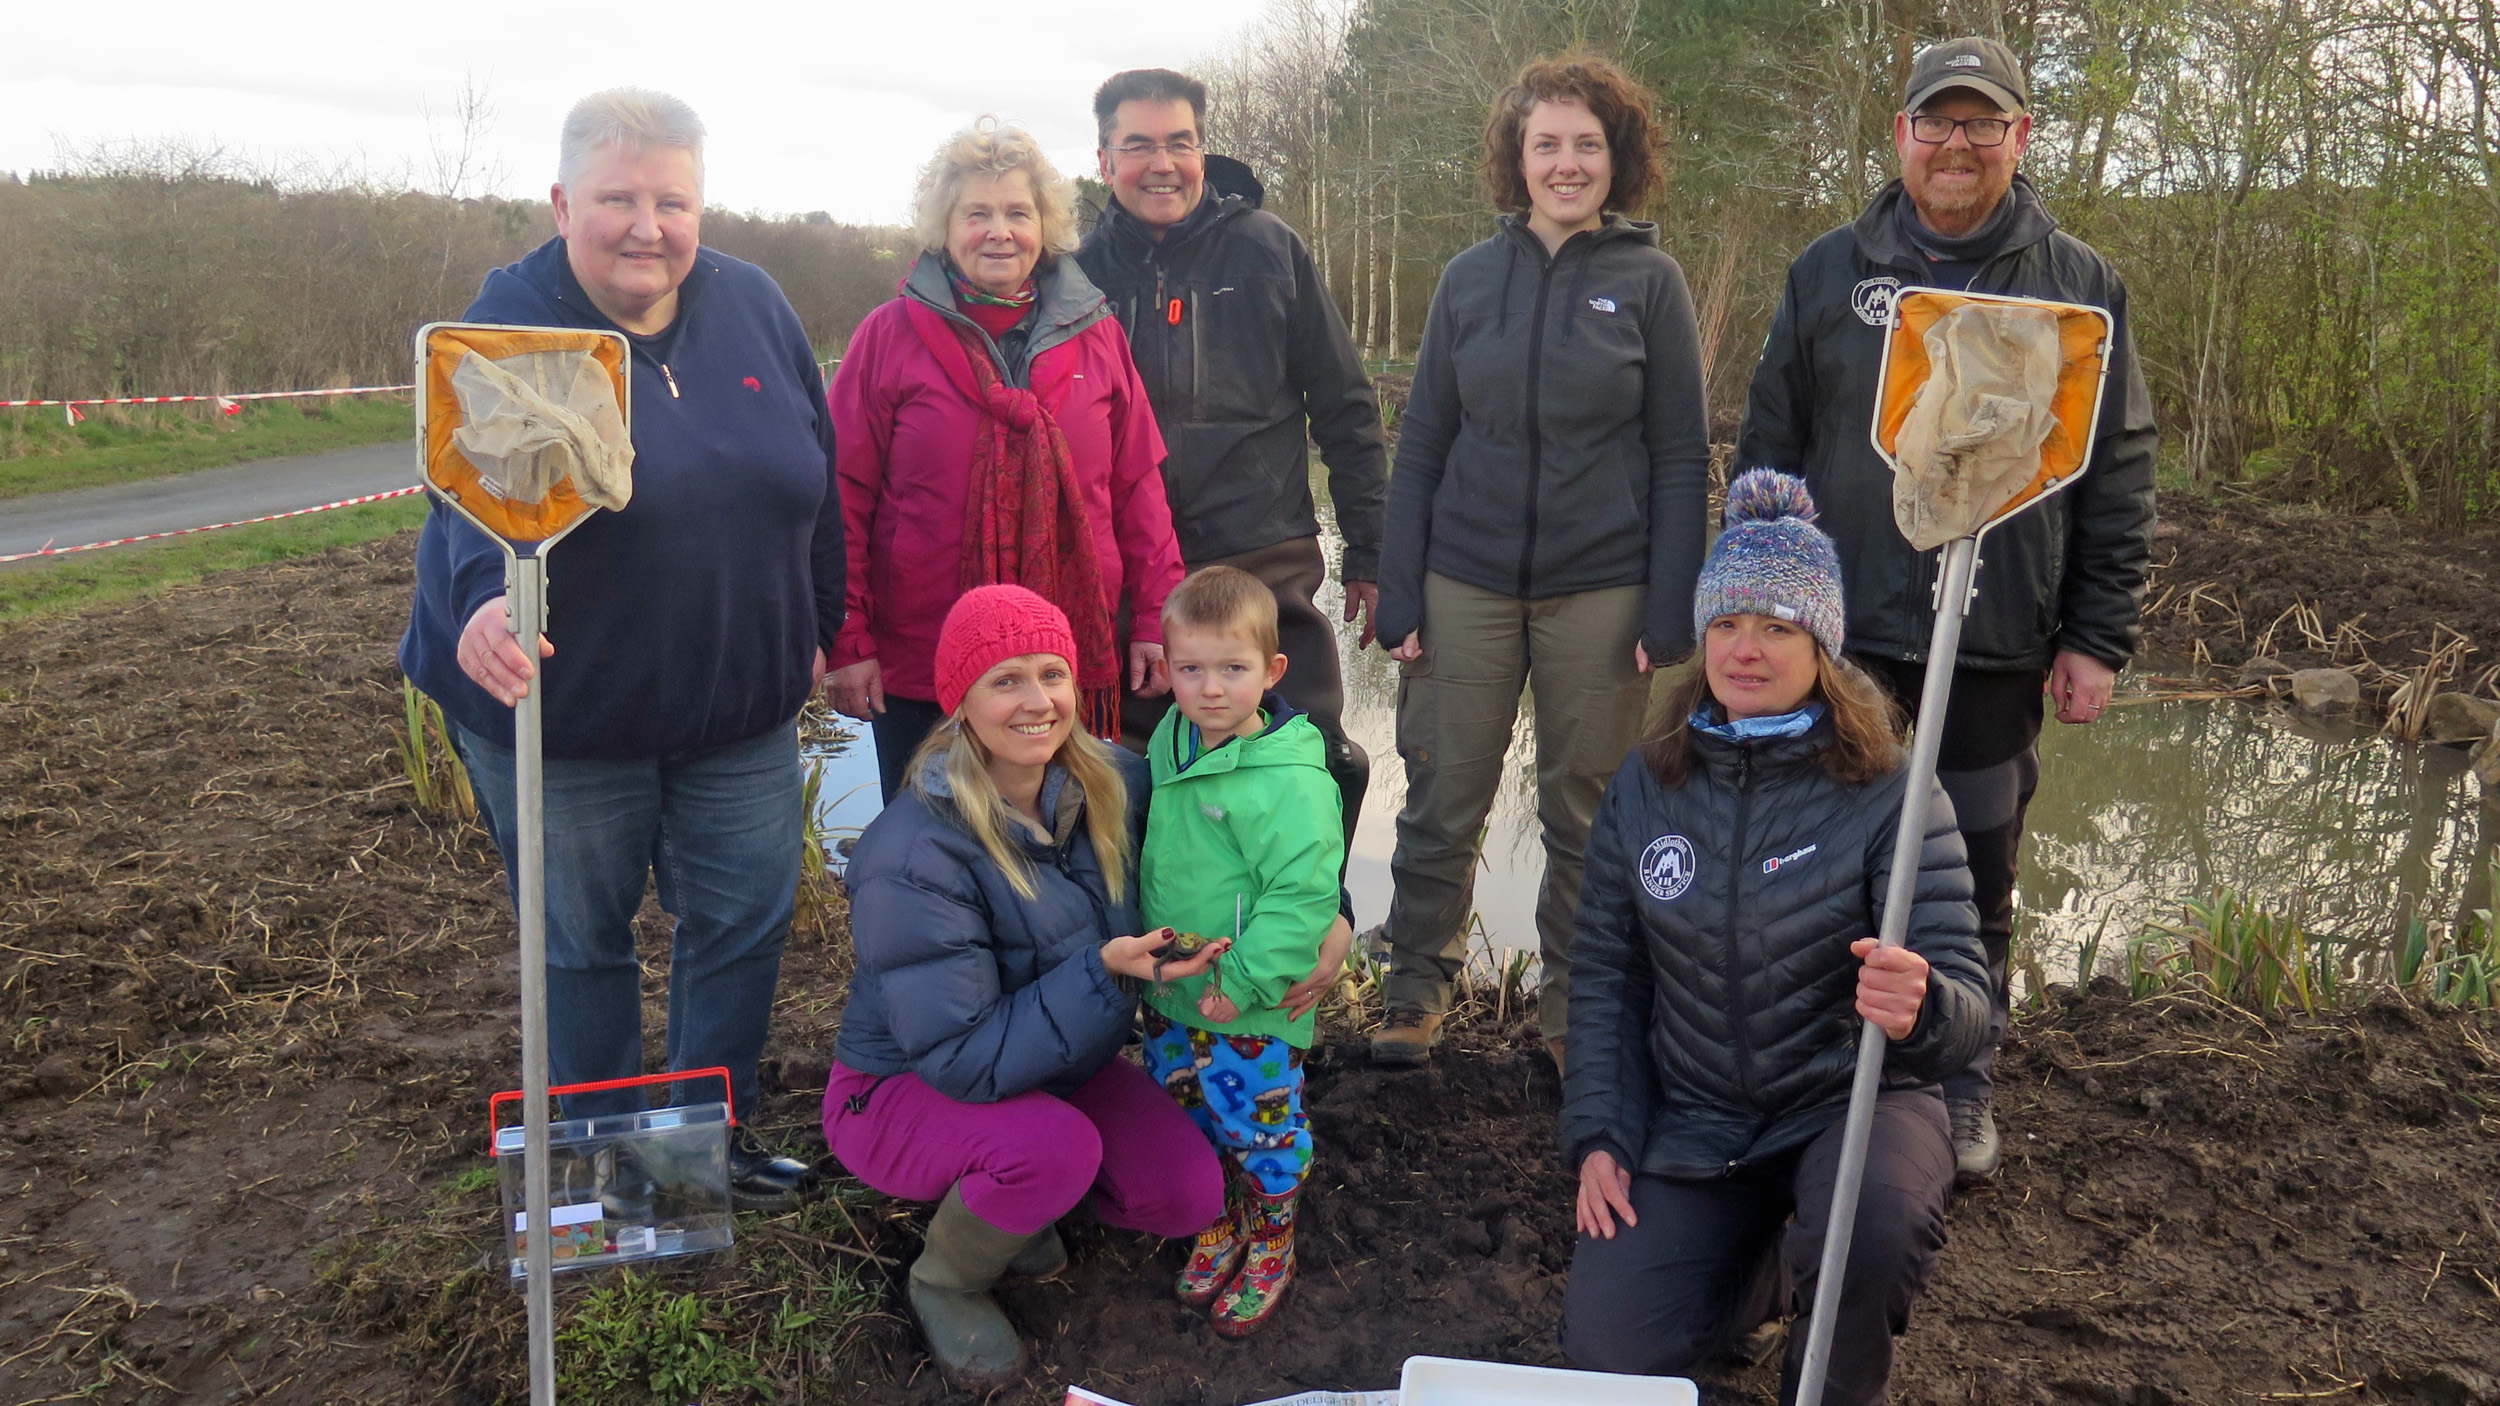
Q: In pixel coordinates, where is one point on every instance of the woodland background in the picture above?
(2303, 196)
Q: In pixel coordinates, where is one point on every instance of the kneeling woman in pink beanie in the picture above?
(994, 915)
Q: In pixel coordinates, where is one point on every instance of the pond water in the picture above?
(2159, 802)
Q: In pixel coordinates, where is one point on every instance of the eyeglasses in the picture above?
(1982, 131)
(1138, 149)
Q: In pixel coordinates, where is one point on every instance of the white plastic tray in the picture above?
(1447, 1381)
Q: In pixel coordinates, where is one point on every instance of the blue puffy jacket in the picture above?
(1713, 996)
(980, 991)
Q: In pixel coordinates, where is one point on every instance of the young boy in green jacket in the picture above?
(1245, 839)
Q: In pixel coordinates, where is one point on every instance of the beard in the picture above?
(1943, 205)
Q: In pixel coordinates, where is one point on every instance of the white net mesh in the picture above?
(1972, 439)
(537, 418)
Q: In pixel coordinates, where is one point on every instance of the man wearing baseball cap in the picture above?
(2061, 587)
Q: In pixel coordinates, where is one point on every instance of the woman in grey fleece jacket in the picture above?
(1545, 518)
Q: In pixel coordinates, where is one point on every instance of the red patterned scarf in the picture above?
(1025, 522)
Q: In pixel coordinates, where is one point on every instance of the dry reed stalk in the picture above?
(2408, 710)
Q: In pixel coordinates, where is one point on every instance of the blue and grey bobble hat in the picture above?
(1771, 559)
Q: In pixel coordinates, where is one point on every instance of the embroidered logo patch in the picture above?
(1773, 866)
(1667, 867)
(1872, 300)
(1602, 304)
(1963, 61)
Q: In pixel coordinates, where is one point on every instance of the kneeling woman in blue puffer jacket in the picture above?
(994, 917)
(1725, 951)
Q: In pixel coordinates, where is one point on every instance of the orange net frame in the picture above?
(450, 473)
(2082, 333)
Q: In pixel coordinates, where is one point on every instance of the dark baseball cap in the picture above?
(1984, 66)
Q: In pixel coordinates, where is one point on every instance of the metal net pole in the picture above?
(1900, 890)
(525, 604)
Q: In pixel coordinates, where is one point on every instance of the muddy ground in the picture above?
(255, 1000)
(2236, 577)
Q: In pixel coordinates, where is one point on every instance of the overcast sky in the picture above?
(828, 106)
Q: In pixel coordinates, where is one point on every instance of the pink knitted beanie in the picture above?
(991, 623)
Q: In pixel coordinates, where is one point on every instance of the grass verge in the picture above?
(782, 1317)
(118, 573)
(41, 454)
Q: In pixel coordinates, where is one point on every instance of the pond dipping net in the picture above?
(534, 419)
(1987, 403)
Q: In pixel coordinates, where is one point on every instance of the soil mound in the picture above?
(255, 1002)
(2231, 571)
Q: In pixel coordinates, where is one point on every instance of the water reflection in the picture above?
(2158, 802)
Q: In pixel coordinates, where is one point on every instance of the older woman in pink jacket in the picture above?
(990, 428)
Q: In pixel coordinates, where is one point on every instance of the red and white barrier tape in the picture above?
(230, 404)
(48, 550)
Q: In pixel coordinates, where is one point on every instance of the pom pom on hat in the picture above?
(1765, 494)
(1771, 559)
(991, 623)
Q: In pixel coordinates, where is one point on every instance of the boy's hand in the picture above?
(1304, 995)
(1217, 1007)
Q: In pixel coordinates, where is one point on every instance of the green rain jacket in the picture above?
(1258, 818)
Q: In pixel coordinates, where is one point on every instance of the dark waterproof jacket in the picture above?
(1713, 995)
(982, 992)
(2068, 574)
(1557, 440)
(1239, 345)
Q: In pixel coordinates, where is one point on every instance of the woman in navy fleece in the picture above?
(683, 632)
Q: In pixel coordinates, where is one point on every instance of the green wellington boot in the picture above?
(975, 1347)
(1044, 1256)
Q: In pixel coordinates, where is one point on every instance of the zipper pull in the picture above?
(1172, 312)
(671, 378)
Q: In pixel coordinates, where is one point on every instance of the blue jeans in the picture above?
(719, 828)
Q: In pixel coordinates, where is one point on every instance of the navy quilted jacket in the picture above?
(1713, 996)
(980, 991)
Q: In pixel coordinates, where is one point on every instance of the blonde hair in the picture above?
(1224, 600)
(992, 148)
(984, 811)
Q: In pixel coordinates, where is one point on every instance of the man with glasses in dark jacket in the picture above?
(1240, 347)
(2061, 588)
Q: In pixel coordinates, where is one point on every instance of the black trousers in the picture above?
(1990, 765)
(1314, 681)
(899, 731)
(1666, 1295)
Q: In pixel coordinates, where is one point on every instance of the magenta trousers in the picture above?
(1026, 1161)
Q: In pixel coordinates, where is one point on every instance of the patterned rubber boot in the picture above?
(1267, 1271)
(1216, 1258)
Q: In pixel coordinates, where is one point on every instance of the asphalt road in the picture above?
(207, 496)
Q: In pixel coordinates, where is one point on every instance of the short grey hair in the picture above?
(634, 120)
(992, 148)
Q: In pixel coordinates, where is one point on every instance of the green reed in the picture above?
(435, 775)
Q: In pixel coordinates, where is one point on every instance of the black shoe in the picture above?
(1975, 1147)
(762, 1180)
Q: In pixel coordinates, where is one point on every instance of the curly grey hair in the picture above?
(992, 148)
(633, 119)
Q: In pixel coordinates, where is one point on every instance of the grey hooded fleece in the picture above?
(1557, 439)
